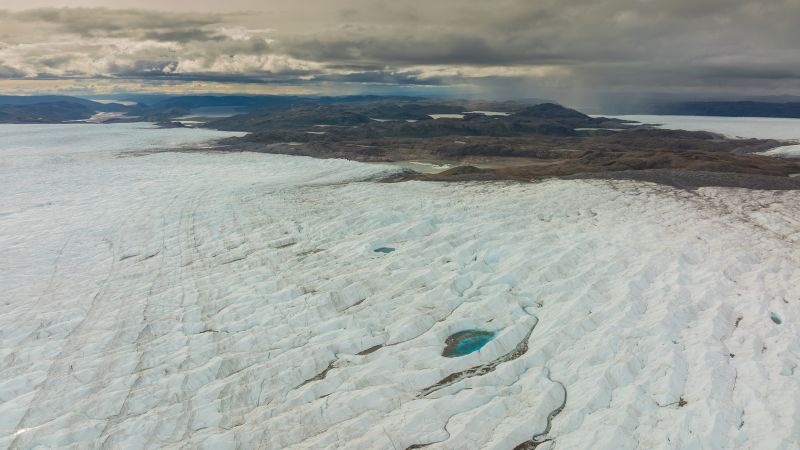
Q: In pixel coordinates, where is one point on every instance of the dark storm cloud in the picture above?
(452, 47)
(10, 72)
(545, 45)
(515, 32)
(182, 35)
(98, 21)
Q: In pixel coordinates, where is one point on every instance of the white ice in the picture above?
(210, 300)
(489, 113)
(461, 116)
(446, 116)
(119, 102)
(786, 151)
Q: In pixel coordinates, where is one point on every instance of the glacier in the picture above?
(235, 300)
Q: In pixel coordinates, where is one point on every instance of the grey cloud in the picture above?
(381, 77)
(553, 46)
(183, 35)
(512, 32)
(93, 21)
(10, 72)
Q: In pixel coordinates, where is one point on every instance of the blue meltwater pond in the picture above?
(466, 342)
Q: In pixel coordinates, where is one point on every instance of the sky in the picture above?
(576, 51)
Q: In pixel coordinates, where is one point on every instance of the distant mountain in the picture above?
(25, 100)
(732, 109)
(271, 112)
(213, 101)
(51, 108)
(49, 112)
(251, 102)
(551, 111)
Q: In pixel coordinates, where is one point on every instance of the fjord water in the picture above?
(210, 300)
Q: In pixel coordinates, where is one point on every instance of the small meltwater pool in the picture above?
(466, 342)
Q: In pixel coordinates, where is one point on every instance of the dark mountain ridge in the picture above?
(51, 112)
(27, 100)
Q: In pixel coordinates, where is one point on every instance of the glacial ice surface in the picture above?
(207, 300)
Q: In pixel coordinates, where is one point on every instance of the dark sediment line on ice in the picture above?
(370, 350)
(479, 370)
(540, 438)
(318, 376)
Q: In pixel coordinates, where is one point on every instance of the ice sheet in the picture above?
(206, 300)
